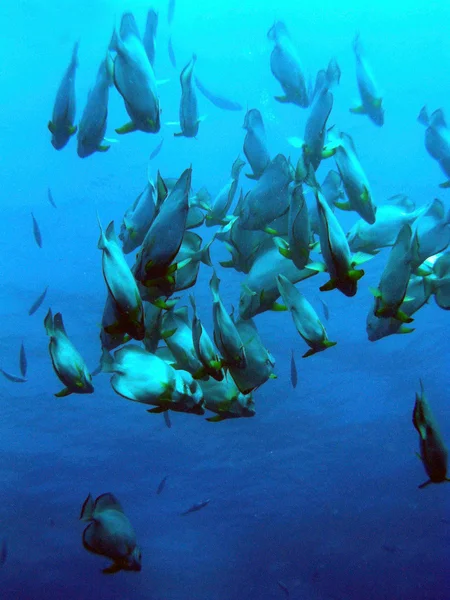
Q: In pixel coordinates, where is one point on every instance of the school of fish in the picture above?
(280, 228)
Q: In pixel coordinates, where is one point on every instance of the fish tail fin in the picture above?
(75, 54)
(214, 286)
(114, 42)
(205, 256)
(101, 245)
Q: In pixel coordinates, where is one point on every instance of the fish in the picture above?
(149, 38)
(433, 452)
(13, 378)
(165, 236)
(269, 198)
(284, 587)
(226, 335)
(170, 11)
(162, 483)
(304, 316)
(154, 153)
(93, 122)
(293, 370)
(218, 210)
(297, 246)
(121, 285)
(225, 399)
(326, 310)
(50, 198)
(68, 364)
(371, 99)
(336, 252)
(354, 179)
(259, 361)
(138, 219)
(110, 534)
(36, 232)
(37, 303)
(61, 125)
(134, 78)
(204, 348)
(437, 140)
(189, 119)
(195, 507)
(23, 363)
(217, 100)
(255, 143)
(176, 330)
(393, 284)
(286, 67)
(142, 376)
(171, 53)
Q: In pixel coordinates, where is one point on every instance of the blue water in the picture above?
(319, 489)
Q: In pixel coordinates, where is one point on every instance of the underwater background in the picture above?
(319, 489)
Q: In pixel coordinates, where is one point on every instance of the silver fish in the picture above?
(50, 198)
(23, 361)
(12, 378)
(195, 508)
(37, 303)
(36, 232)
(162, 484)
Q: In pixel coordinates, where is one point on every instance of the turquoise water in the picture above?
(319, 489)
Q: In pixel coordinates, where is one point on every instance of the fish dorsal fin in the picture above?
(106, 502)
(58, 324)
(128, 26)
(437, 118)
(87, 510)
(182, 313)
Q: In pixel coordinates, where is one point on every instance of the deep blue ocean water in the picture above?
(319, 489)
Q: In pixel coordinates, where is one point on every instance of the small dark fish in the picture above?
(50, 198)
(37, 303)
(36, 232)
(23, 363)
(172, 57)
(195, 507)
(219, 101)
(170, 11)
(284, 587)
(293, 371)
(12, 378)
(3, 552)
(326, 310)
(167, 420)
(155, 152)
(161, 485)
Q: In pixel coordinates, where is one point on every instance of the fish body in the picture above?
(204, 348)
(433, 452)
(226, 335)
(121, 285)
(164, 238)
(134, 78)
(305, 318)
(394, 280)
(50, 198)
(138, 219)
(143, 377)
(38, 302)
(221, 204)
(177, 333)
(226, 400)
(12, 378)
(255, 144)
(62, 125)
(36, 231)
(68, 363)
(189, 120)
(286, 67)
(294, 376)
(149, 38)
(219, 101)
(259, 361)
(371, 100)
(335, 251)
(92, 126)
(195, 507)
(110, 533)
(269, 198)
(23, 363)
(354, 179)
